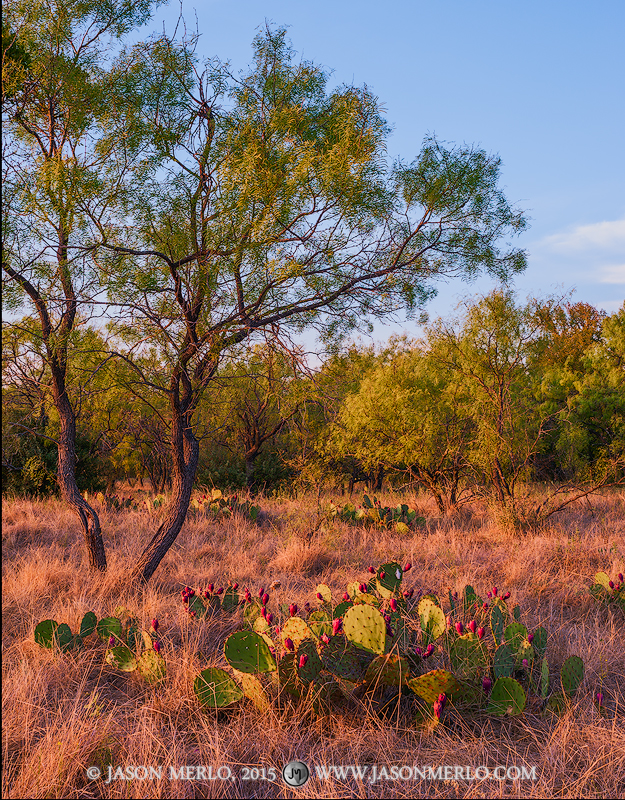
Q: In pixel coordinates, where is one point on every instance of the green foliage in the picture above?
(609, 592)
(401, 518)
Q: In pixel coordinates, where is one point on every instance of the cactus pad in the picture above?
(544, 678)
(539, 642)
(572, 674)
(497, 623)
(121, 658)
(109, 626)
(433, 683)
(261, 625)
(364, 625)
(63, 637)
(506, 697)
(251, 612)
(216, 689)
(320, 622)
(470, 600)
(287, 675)
(88, 624)
(432, 618)
(311, 669)
(253, 690)
(325, 592)
(231, 600)
(391, 670)
(341, 608)
(151, 666)
(247, 651)
(341, 658)
(503, 662)
(468, 657)
(388, 579)
(44, 633)
(514, 635)
(297, 630)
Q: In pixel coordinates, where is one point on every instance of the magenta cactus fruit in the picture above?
(442, 699)
(235, 586)
(450, 622)
(263, 612)
(438, 709)
(345, 596)
(487, 684)
(336, 625)
(302, 661)
(288, 643)
(192, 613)
(292, 609)
(319, 596)
(269, 618)
(494, 591)
(206, 594)
(506, 596)
(382, 574)
(459, 627)
(265, 599)
(155, 625)
(407, 566)
(419, 652)
(325, 638)
(620, 577)
(525, 663)
(473, 626)
(489, 595)
(599, 698)
(611, 584)
(248, 596)
(530, 637)
(372, 570)
(429, 651)
(480, 633)
(220, 590)
(393, 604)
(363, 587)
(157, 647)
(211, 586)
(261, 591)
(111, 641)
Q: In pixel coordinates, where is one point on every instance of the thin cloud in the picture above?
(605, 236)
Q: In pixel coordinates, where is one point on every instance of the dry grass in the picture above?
(62, 714)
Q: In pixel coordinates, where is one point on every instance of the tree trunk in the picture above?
(249, 471)
(69, 488)
(186, 453)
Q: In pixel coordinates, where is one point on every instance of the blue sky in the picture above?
(541, 83)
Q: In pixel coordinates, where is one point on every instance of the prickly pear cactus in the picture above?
(231, 600)
(88, 624)
(514, 635)
(525, 653)
(320, 622)
(214, 688)
(44, 633)
(121, 658)
(325, 592)
(287, 675)
(341, 658)
(506, 697)
(572, 674)
(308, 662)
(503, 662)
(539, 641)
(389, 670)
(388, 579)
(63, 637)
(432, 618)
(253, 690)
(296, 630)
(544, 678)
(468, 656)
(251, 612)
(434, 683)
(248, 651)
(497, 623)
(342, 608)
(110, 626)
(470, 600)
(151, 666)
(364, 625)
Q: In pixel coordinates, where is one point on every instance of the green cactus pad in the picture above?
(63, 637)
(287, 675)
(44, 633)
(109, 626)
(525, 652)
(297, 630)
(506, 697)
(557, 704)
(544, 678)
(261, 625)
(231, 600)
(325, 592)
(432, 618)
(452, 602)
(320, 622)
(251, 612)
(497, 623)
(134, 637)
(516, 613)
(603, 580)
(401, 528)
(313, 665)
(253, 690)
(88, 624)
(341, 658)
(433, 683)
(369, 599)
(468, 656)
(247, 651)
(503, 662)
(341, 609)
(216, 689)
(121, 658)
(539, 642)
(364, 625)
(390, 670)
(514, 635)
(470, 600)
(572, 674)
(353, 589)
(390, 584)
(197, 606)
(151, 666)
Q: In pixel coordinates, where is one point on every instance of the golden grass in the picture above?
(62, 714)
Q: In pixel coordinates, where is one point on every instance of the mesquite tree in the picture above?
(274, 210)
(58, 98)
